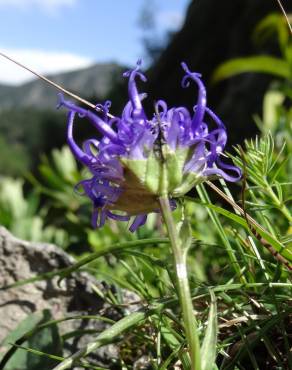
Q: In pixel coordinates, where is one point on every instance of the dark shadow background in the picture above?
(213, 32)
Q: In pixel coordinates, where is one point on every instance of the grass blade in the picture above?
(208, 350)
(64, 272)
(109, 335)
(261, 64)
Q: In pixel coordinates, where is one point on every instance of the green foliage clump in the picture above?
(225, 258)
(25, 134)
(14, 159)
(24, 216)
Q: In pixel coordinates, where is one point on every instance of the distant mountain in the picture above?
(94, 81)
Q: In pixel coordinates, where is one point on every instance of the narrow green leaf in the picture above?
(261, 64)
(84, 261)
(32, 325)
(231, 216)
(110, 334)
(208, 350)
(261, 332)
(171, 357)
(41, 338)
(203, 194)
(176, 343)
(273, 23)
(53, 357)
(286, 252)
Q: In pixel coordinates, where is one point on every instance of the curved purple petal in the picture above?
(94, 217)
(139, 220)
(118, 217)
(87, 147)
(138, 111)
(220, 172)
(202, 95)
(97, 122)
(104, 108)
(76, 150)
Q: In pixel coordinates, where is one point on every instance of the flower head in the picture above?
(137, 159)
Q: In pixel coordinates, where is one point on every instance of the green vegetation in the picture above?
(25, 134)
(252, 286)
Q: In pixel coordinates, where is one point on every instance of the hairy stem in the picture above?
(183, 287)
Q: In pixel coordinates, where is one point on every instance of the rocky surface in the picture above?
(22, 260)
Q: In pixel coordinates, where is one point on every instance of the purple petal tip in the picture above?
(61, 100)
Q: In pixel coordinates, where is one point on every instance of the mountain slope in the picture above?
(96, 80)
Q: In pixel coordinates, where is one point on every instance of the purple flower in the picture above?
(135, 160)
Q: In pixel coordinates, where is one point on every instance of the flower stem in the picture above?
(183, 287)
(281, 206)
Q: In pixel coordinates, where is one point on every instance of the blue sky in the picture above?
(58, 35)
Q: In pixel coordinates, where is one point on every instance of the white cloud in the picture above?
(170, 20)
(44, 62)
(50, 6)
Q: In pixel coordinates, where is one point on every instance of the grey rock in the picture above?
(144, 363)
(21, 260)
